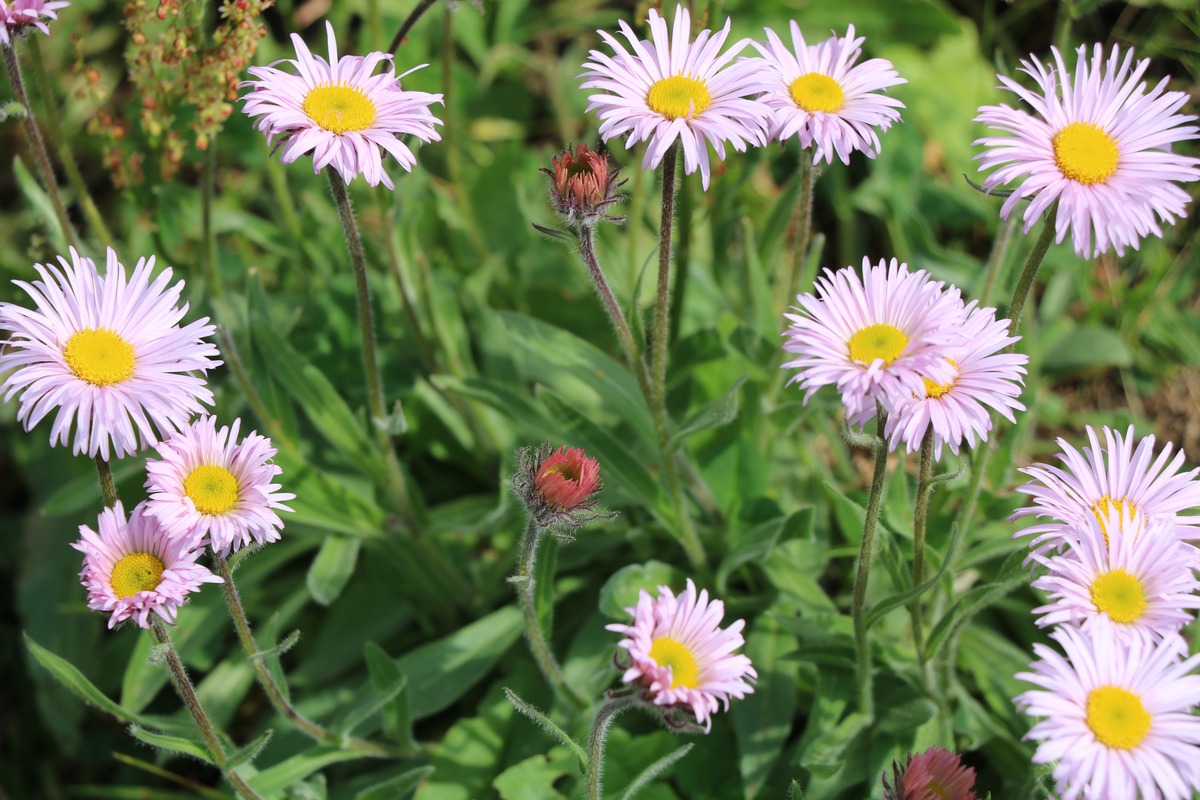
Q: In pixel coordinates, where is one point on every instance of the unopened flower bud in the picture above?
(583, 185)
(557, 487)
(935, 773)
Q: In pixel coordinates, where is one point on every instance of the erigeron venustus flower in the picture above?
(1117, 719)
(1117, 477)
(984, 377)
(558, 488)
(1136, 578)
(876, 337)
(583, 185)
(672, 89)
(340, 112)
(1099, 144)
(18, 16)
(210, 486)
(822, 97)
(132, 568)
(935, 774)
(681, 655)
(107, 352)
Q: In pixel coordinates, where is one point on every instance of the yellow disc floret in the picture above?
(1085, 154)
(937, 390)
(1106, 505)
(1117, 717)
(877, 341)
(1120, 595)
(214, 490)
(99, 356)
(817, 92)
(339, 108)
(667, 652)
(136, 572)
(679, 96)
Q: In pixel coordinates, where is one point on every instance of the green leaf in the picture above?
(758, 544)
(534, 778)
(546, 724)
(397, 787)
(721, 411)
(621, 591)
(40, 201)
(826, 754)
(332, 568)
(1011, 576)
(762, 721)
(655, 771)
(397, 715)
(70, 677)
(247, 754)
(173, 744)
(297, 768)
(907, 717)
(880, 609)
(83, 492)
(379, 700)
(1084, 347)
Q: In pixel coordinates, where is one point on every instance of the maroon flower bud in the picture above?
(557, 488)
(935, 774)
(567, 478)
(583, 185)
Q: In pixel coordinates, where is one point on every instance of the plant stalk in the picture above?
(866, 701)
(924, 473)
(594, 777)
(587, 250)
(107, 487)
(408, 23)
(803, 216)
(1029, 271)
(995, 262)
(662, 305)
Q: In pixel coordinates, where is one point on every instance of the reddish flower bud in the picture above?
(935, 774)
(557, 488)
(583, 185)
(567, 478)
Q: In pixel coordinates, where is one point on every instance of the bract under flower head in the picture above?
(1098, 144)
(681, 656)
(673, 89)
(133, 568)
(820, 96)
(108, 353)
(876, 337)
(340, 112)
(18, 17)
(583, 185)
(209, 486)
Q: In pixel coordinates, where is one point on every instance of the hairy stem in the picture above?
(398, 39)
(924, 472)
(587, 250)
(107, 487)
(662, 304)
(594, 778)
(1030, 270)
(866, 702)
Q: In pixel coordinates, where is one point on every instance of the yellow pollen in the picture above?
(877, 341)
(136, 572)
(339, 108)
(1120, 595)
(214, 490)
(679, 96)
(1106, 505)
(99, 356)
(936, 390)
(817, 92)
(1117, 717)
(936, 789)
(1085, 154)
(676, 655)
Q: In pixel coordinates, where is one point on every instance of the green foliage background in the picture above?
(520, 353)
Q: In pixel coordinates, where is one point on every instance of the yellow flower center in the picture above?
(936, 789)
(136, 572)
(99, 356)
(1106, 505)
(1117, 717)
(936, 390)
(214, 490)
(817, 92)
(1120, 595)
(877, 341)
(679, 96)
(339, 108)
(676, 655)
(1085, 154)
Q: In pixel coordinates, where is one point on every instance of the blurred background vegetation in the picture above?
(507, 347)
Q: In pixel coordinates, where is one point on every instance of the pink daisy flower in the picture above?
(983, 377)
(132, 567)
(1099, 144)
(670, 88)
(18, 16)
(874, 337)
(822, 97)
(341, 113)
(209, 485)
(1103, 479)
(108, 353)
(1133, 577)
(681, 655)
(1117, 719)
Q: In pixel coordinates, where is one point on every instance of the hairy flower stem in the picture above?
(375, 402)
(107, 487)
(38, 146)
(398, 39)
(866, 701)
(603, 720)
(683, 255)
(60, 143)
(924, 473)
(531, 542)
(274, 692)
(183, 684)
(1029, 271)
(803, 224)
(587, 250)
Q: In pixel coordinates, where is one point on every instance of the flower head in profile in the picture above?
(671, 89)
(340, 112)
(132, 567)
(1116, 717)
(877, 336)
(107, 352)
(1098, 144)
(821, 96)
(18, 17)
(681, 656)
(583, 185)
(1116, 476)
(984, 377)
(935, 774)
(558, 488)
(208, 486)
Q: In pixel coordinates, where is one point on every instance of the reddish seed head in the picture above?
(567, 478)
(937, 774)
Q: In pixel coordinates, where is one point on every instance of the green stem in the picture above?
(428, 356)
(366, 321)
(683, 255)
(107, 487)
(866, 702)
(1062, 25)
(531, 541)
(996, 258)
(208, 239)
(38, 146)
(587, 250)
(62, 145)
(924, 473)
(803, 214)
(594, 777)
(1029, 271)
(662, 305)
(398, 39)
